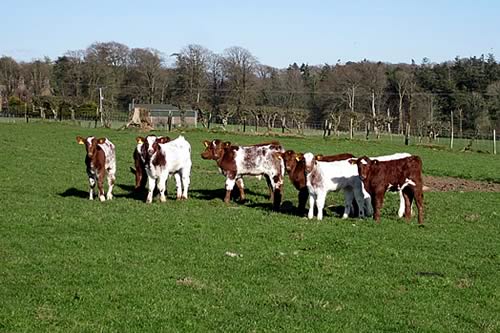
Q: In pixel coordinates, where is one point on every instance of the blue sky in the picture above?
(276, 32)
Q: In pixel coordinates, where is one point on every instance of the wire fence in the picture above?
(467, 140)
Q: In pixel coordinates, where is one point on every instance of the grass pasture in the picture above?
(68, 264)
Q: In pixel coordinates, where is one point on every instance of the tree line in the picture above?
(233, 85)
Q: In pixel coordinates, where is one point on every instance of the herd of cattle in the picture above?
(364, 180)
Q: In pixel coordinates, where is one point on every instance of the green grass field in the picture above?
(68, 264)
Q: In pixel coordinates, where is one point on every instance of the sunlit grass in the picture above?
(70, 264)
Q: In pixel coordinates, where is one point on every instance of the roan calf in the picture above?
(295, 167)
(162, 158)
(99, 161)
(403, 175)
(236, 161)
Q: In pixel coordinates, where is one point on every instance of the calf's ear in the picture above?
(299, 157)
(206, 143)
(101, 140)
(80, 140)
(139, 139)
(353, 161)
(319, 157)
(227, 144)
(162, 139)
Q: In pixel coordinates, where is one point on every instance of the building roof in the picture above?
(164, 110)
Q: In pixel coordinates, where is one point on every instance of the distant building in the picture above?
(159, 114)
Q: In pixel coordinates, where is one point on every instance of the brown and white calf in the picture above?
(100, 161)
(140, 167)
(236, 161)
(295, 167)
(323, 176)
(404, 175)
(162, 158)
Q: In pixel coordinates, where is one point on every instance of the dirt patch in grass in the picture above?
(445, 184)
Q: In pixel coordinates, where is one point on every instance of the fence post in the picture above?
(26, 112)
(494, 142)
(451, 123)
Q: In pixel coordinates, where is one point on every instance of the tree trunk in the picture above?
(374, 117)
(407, 134)
(451, 128)
(460, 119)
(389, 123)
(351, 128)
(400, 114)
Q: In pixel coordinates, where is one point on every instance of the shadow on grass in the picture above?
(338, 211)
(74, 192)
(286, 208)
(132, 193)
(220, 193)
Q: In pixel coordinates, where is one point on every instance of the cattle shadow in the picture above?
(132, 193)
(337, 211)
(74, 192)
(220, 193)
(288, 208)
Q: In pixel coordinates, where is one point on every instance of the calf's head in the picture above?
(150, 145)
(310, 160)
(214, 149)
(365, 166)
(90, 144)
(291, 159)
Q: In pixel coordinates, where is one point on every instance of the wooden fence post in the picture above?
(494, 142)
(451, 124)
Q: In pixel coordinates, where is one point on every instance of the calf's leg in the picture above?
(151, 188)
(162, 185)
(419, 200)
(111, 184)
(241, 188)
(378, 202)
(320, 204)
(186, 180)
(92, 183)
(277, 184)
(229, 188)
(312, 203)
(348, 197)
(100, 184)
(303, 195)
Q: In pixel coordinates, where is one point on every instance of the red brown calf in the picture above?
(236, 161)
(99, 161)
(403, 175)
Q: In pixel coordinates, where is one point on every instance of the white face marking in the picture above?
(89, 140)
(151, 140)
